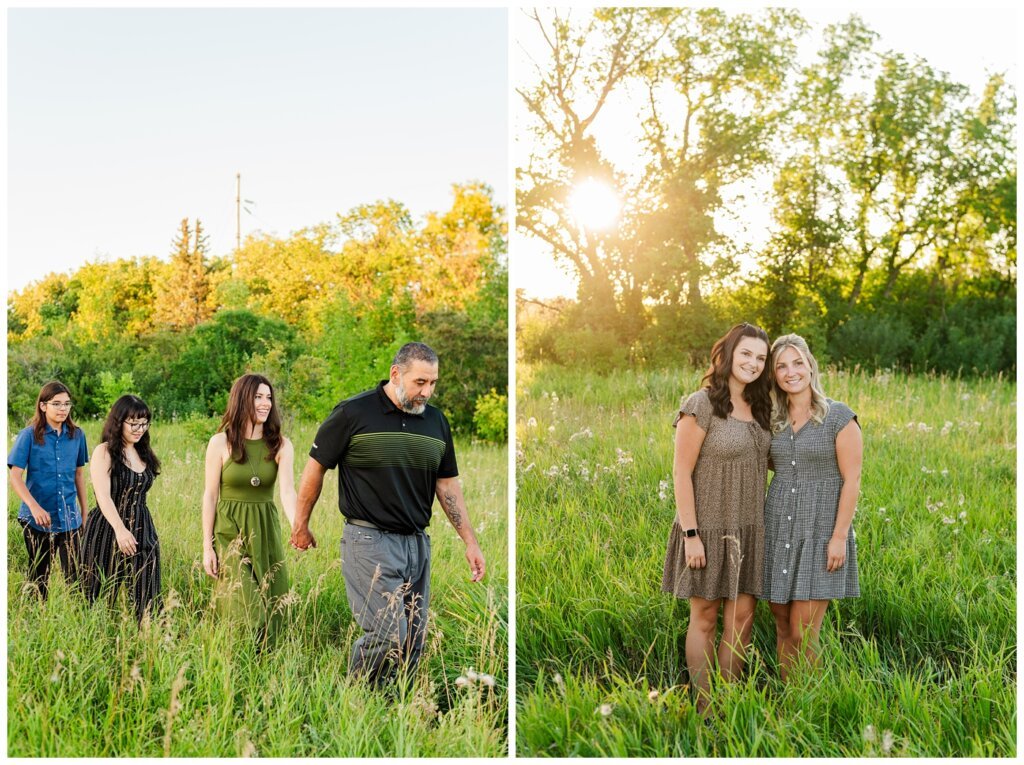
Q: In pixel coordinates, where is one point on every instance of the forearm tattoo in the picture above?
(452, 510)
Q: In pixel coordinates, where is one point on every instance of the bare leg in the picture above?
(805, 617)
(700, 646)
(737, 622)
(783, 637)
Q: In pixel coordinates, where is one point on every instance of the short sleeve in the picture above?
(697, 404)
(18, 456)
(449, 468)
(83, 449)
(332, 438)
(840, 415)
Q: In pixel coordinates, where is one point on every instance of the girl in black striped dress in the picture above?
(120, 543)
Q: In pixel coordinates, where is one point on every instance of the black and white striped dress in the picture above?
(104, 566)
(800, 514)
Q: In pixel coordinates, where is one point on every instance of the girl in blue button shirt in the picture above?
(53, 500)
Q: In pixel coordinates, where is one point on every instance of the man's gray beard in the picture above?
(407, 405)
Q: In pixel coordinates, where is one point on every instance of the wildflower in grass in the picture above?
(551, 428)
(461, 681)
(529, 467)
(869, 734)
(946, 427)
(887, 741)
(947, 520)
(604, 710)
(881, 511)
(532, 422)
(472, 675)
(487, 680)
(585, 433)
(652, 696)
(663, 487)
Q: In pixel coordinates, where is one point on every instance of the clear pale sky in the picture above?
(966, 42)
(123, 121)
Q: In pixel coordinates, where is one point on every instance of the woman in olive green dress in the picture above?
(241, 528)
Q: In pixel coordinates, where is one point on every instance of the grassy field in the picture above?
(924, 663)
(86, 682)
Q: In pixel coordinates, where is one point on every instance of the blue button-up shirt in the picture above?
(50, 469)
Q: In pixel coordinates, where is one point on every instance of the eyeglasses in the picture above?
(137, 427)
(59, 404)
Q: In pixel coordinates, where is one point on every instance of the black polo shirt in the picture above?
(390, 459)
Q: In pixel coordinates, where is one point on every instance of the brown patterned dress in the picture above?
(728, 486)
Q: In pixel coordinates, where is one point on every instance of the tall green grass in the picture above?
(923, 663)
(86, 682)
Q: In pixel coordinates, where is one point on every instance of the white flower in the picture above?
(947, 520)
(551, 428)
(461, 682)
(604, 710)
(869, 734)
(653, 696)
(532, 422)
(663, 490)
(585, 433)
(472, 675)
(887, 741)
(487, 680)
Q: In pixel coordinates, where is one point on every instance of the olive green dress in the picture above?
(247, 531)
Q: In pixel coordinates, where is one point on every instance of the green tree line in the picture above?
(321, 312)
(891, 187)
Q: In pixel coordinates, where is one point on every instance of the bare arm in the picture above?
(82, 491)
(99, 472)
(689, 440)
(449, 494)
(286, 479)
(849, 454)
(310, 485)
(215, 454)
(39, 515)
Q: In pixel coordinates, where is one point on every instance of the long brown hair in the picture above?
(241, 412)
(38, 421)
(128, 406)
(757, 393)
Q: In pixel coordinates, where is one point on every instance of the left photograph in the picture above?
(257, 391)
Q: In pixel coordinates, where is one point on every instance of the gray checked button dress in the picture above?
(800, 514)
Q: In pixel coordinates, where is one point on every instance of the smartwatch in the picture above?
(689, 533)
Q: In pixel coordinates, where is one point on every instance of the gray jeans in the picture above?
(387, 579)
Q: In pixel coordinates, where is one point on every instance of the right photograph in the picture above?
(765, 279)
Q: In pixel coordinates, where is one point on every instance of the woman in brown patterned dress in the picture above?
(716, 546)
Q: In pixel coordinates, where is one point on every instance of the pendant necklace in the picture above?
(255, 480)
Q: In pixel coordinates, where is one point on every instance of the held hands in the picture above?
(40, 516)
(126, 541)
(694, 549)
(836, 554)
(477, 567)
(210, 561)
(302, 538)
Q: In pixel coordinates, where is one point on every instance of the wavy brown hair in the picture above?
(124, 408)
(241, 412)
(757, 393)
(38, 421)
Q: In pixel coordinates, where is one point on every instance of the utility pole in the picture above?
(238, 211)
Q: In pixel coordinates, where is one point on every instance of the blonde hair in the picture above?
(780, 399)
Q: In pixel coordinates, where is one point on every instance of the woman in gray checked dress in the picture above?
(810, 548)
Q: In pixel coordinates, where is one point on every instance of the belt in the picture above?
(368, 525)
